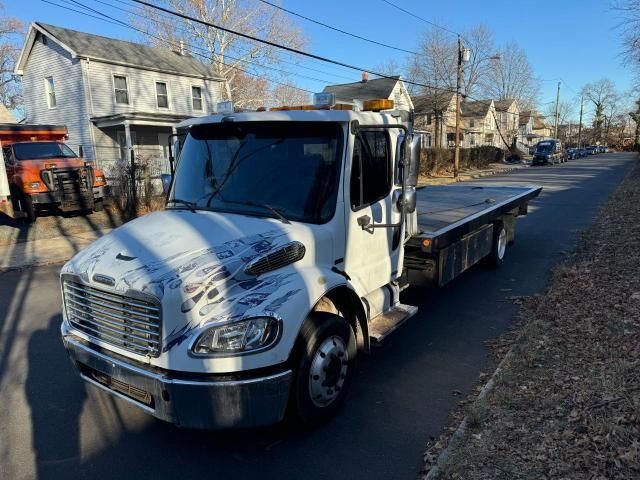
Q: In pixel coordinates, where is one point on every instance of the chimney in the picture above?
(365, 77)
(182, 52)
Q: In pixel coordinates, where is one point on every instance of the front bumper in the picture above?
(201, 401)
(74, 201)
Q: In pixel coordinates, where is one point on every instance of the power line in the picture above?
(283, 47)
(267, 42)
(429, 22)
(176, 44)
(336, 29)
(108, 19)
(182, 30)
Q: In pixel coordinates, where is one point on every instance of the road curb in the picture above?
(458, 435)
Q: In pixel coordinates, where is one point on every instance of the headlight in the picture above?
(33, 185)
(99, 179)
(253, 334)
(548, 157)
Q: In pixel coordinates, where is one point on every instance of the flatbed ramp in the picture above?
(444, 213)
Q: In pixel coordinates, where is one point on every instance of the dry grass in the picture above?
(567, 404)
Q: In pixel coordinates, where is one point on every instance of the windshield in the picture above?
(544, 147)
(285, 170)
(42, 150)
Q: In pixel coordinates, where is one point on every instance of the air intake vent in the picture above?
(286, 255)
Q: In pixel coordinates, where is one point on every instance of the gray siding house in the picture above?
(113, 95)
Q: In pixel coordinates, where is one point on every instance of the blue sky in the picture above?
(575, 40)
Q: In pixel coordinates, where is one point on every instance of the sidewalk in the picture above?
(45, 251)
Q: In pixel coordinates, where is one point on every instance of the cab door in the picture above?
(372, 255)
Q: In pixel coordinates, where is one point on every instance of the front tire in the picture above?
(23, 203)
(324, 368)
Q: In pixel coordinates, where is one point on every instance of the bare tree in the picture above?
(289, 95)
(249, 91)
(11, 30)
(602, 94)
(230, 56)
(511, 76)
(479, 41)
(630, 27)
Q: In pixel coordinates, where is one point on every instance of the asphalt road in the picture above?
(52, 426)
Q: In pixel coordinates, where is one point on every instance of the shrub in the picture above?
(440, 160)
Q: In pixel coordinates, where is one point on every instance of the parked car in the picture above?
(548, 151)
(583, 152)
(571, 153)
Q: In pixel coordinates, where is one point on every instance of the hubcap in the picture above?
(502, 243)
(328, 371)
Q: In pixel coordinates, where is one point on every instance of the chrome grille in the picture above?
(131, 323)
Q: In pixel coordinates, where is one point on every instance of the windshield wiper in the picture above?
(190, 205)
(276, 211)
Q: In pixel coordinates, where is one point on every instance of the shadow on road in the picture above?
(55, 398)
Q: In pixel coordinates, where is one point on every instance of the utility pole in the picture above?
(555, 135)
(456, 160)
(580, 126)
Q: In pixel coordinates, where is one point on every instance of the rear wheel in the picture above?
(499, 246)
(98, 205)
(324, 368)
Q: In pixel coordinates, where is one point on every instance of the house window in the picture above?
(429, 119)
(370, 169)
(162, 95)
(51, 92)
(196, 98)
(472, 123)
(121, 89)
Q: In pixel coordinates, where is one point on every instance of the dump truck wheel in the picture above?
(23, 203)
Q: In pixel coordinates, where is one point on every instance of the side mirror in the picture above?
(413, 169)
(408, 200)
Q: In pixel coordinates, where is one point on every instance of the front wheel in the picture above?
(23, 203)
(324, 368)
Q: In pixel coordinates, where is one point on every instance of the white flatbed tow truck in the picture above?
(281, 255)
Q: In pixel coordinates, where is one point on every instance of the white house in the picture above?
(435, 116)
(112, 95)
(479, 123)
(388, 88)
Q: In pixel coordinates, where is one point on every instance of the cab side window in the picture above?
(370, 169)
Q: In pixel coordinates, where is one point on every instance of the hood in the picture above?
(60, 162)
(178, 248)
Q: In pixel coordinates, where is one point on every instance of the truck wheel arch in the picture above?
(343, 301)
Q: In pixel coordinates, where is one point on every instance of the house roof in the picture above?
(478, 108)
(111, 50)
(5, 115)
(424, 104)
(524, 117)
(375, 88)
(539, 122)
(504, 105)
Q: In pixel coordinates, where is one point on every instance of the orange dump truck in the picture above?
(41, 171)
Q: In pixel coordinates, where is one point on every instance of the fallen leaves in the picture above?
(567, 404)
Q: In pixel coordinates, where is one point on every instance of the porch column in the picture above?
(127, 137)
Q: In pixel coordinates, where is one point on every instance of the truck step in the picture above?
(386, 323)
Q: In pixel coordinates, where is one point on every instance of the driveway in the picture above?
(52, 426)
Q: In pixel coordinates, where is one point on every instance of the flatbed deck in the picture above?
(445, 213)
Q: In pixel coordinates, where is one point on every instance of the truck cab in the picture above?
(43, 172)
(280, 256)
